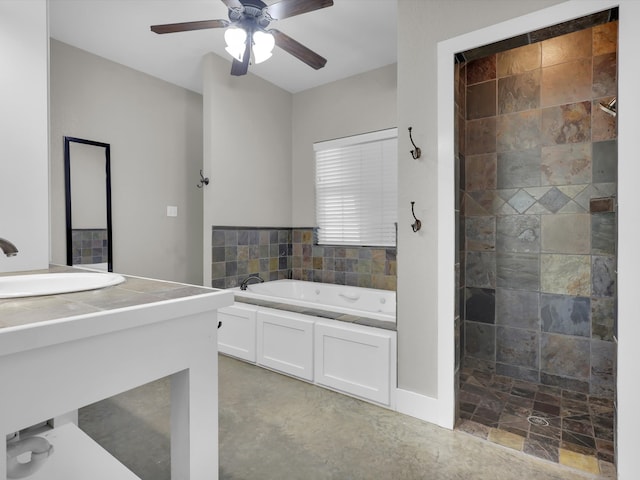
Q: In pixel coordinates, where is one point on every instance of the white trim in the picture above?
(356, 139)
(628, 389)
(422, 407)
(444, 406)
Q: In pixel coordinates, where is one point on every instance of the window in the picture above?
(356, 189)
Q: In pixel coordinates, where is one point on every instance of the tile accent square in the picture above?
(566, 164)
(518, 347)
(567, 47)
(515, 308)
(565, 356)
(481, 100)
(603, 270)
(566, 233)
(519, 60)
(480, 305)
(480, 233)
(603, 125)
(603, 317)
(519, 168)
(603, 233)
(519, 271)
(518, 131)
(565, 274)
(569, 123)
(480, 172)
(481, 69)
(605, 161)
(480, 340)
(481, 136)
(605, 38)
(565, 314)
(566, 82)
(521, 201)
(481, 269)
(605, 75)
(519, 92)
(518, 233)
(603, 361)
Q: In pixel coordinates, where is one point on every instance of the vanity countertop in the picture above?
(61, 352)
(135, 291)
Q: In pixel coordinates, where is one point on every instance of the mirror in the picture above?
(87, 178)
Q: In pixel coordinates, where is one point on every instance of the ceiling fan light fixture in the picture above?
(263, 43)
(236, 40)
(248, 20)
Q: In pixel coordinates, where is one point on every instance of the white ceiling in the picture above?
(354, 36)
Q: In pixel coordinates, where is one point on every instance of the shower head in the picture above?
(609, 107)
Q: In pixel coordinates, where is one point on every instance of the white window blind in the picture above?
(356, 189)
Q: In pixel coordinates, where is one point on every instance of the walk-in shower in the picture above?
(537, 245)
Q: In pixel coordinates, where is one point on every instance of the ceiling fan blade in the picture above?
(241, 68)
(232, 3)
(298, 50)
(188, 26)
(290, 8)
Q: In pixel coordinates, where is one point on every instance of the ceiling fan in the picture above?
(247, 33)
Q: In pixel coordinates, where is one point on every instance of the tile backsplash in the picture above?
(278, 253)
(89, 246)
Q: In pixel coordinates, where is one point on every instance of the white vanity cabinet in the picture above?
(237, 332)
(51, 367)
(285, 342)
(355, 359)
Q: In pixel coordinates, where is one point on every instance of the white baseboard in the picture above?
(425, 408)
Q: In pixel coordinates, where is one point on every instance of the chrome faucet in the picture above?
(8, 248)
(245, 282)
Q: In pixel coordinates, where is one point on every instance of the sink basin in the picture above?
(53, 283)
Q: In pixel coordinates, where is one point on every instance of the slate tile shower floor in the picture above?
(561, 426)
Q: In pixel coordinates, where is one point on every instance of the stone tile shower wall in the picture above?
(278, 253)
(538, 180)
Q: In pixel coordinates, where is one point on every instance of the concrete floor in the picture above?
(275, 427)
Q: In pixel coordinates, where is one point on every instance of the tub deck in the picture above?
(323, 312)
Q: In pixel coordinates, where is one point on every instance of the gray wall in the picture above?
(359, 104)
(155, 132)
(247, 152)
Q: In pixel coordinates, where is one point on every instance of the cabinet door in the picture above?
(237, 335)
(354, 359)
(285, 342)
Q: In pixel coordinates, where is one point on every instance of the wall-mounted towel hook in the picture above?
(203, 180)
(417, 225)
(414, 153)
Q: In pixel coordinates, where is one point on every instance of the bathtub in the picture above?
(358, 301)
(335, 336)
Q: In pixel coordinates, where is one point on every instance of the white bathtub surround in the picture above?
(318, 335)
(86, 346)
